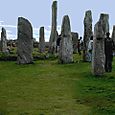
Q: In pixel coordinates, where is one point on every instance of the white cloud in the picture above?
(1, 22)
(49, 27)
(9, 34)
(8, 26)
(35, 29)
(9, 29)
(59, 29)
(47, 34)
(111, 32)
(46, 31)
(12, 35)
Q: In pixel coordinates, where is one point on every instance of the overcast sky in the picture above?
(38, 12)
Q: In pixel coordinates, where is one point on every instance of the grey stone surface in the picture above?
(41, 40)
(87, 33)
(53, 35)
(113, 34)
(75, 41)
(3, 44)
(104, 19)
(24, 41)
(98, 59)
(66, 46)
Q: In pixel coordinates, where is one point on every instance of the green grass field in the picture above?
(49, 88)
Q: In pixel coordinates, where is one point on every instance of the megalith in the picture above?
(87, 33)
(75, 41)
(53, 35)
(98, 56)
(41, 40)
(3, 43)
(104, 19)
(66, 46)
(113, 34)
(24, 41)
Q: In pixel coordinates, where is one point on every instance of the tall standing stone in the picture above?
(24, 41)
(104, 19)
(113, 34)
(41, 40)
(87, 33)
(75, 41)
(98, 59)
(66, 46)
(3, 41)
(53, 35)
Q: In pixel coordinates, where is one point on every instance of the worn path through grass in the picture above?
(48, 88)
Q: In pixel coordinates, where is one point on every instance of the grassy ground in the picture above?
(48, 88)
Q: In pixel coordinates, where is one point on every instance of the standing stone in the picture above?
(113, 34)
(75, 41)
(3, 41)
(98, 59)
(66, 47)
(113, 38)
(41, 40)
(53, 36)
(24, 41)
(87, 33)
(104, 19)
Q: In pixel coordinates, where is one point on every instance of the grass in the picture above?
(48, 88)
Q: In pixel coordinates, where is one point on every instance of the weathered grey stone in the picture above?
(113, 38)
(87, 33)
(98, 59)
(75, 41)
(66, 47)
(41, 40)
(3, 44)
(53, 35)
(104, 19)
(24, 41)
(113, 34)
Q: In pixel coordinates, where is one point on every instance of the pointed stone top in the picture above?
(3, 30)
(21, 19)
(24, 23)
(65, 25)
